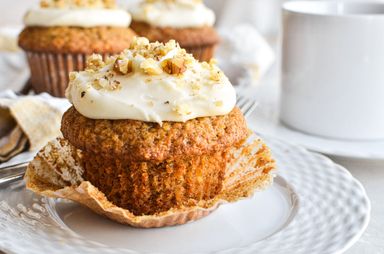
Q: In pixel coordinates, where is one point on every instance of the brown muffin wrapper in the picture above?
(56, 172)
(202, 53)
(50, 71)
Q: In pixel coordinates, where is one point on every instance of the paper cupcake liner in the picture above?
(56, 172)
(151, 187)
(50, 71)
(202, 53)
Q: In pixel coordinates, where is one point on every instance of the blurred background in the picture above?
(264, 14)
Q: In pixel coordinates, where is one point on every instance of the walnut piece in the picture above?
(182, 109)
(150, 67)
(95, 62)
(123, 66)
(174, 66)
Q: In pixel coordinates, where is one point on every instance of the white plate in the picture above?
(373, 150)
(314, 206)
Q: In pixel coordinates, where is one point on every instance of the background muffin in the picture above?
(189, 22)
(62, 33)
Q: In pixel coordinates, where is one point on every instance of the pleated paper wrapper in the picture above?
(50, 71)
(56, 172)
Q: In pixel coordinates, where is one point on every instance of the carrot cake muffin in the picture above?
(155, 132)
(61, 33)
(189, 22)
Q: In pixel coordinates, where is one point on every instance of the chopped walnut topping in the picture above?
(212, 62)
(123, 66)
(139, 43)
(78, 4)
(182, 109)
(106, 83)
(73, 75)
(215, 75)
(174, 66)
(100, 83)
(95, 62)
(115, 85)
(150, 67)
(153, 60)
(195, 86)
(219, 103)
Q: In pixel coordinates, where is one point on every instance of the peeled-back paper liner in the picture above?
(38, 119)
(56, 172)
(50, 71)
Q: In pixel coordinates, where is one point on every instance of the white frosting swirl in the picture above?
(48, 17)
(177, 14)
(152, 98)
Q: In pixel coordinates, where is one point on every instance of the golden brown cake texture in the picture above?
(147, 168)
(150, 187)
(187, 37)
(76, 39)
(137, 140)
(69, 39)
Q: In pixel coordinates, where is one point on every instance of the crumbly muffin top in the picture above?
(132, 140)
(151, 82)
(76, 40)
(188, 38)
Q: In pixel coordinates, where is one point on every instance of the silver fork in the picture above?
(16, 172)
(246, 105)
(12, 173)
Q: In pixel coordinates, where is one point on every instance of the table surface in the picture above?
(369, 172)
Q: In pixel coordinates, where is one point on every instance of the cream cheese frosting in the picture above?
(77, 13)
(151, 82)
(48, 17)
(173, 13)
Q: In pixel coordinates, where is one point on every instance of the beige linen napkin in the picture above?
(28, 122)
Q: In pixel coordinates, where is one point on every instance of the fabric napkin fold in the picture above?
(28, 122)
(244, 54)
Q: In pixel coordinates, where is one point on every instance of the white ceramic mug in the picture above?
(333, 69)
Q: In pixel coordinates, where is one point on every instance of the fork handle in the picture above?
(12, 178)
(11, 175)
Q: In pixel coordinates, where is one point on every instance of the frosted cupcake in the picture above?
(153, 139)
(62, 33)
(189, 22)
